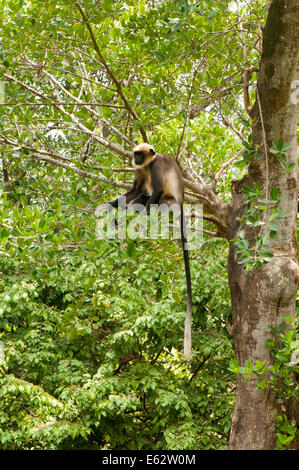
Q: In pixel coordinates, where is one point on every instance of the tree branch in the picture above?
(109, 72)
(230, 125)
(43, 156)
(224, 166)
(114, 148)
(211, 203)
(221, 229)
(181, 151)
(81, 103)
(85, 105)
(12, 143)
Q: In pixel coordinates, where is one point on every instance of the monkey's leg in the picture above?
(129, 196)
(153, 199)
(132, 194)
(140, 202)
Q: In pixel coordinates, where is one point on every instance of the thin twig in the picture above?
(186, 122)
(48, 157)
(230, 125)
(114, 148)
(224, 166)
(76, 103)
(201, 364)
(92, 111)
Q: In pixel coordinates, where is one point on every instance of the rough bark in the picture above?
(265, 296)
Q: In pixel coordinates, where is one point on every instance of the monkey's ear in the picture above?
(152, 151)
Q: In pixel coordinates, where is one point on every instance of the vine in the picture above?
(279, 376)
(256, 213)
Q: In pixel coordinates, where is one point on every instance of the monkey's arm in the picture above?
(129, 195)
(157, 185)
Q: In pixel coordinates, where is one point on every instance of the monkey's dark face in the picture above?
(139, 158)
(143, 155)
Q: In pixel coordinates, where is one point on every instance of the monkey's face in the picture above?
(139, 158)
(143, 154)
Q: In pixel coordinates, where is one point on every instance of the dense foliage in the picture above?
(93, 331)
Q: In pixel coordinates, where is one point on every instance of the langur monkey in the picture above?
(158, 181)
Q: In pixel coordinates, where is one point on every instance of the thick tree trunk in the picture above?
(265, 296)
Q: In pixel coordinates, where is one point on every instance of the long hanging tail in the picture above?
(188, 320)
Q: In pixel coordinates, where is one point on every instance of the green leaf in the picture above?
(285, 147)
(159, 56)
(242, 165)
(262, 385)
(282, 438)
(4, 234)
(131, 249)
(290, 167)
(245, 123)
(274, 193)
(234, 366)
